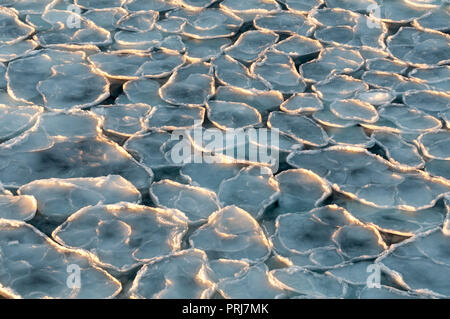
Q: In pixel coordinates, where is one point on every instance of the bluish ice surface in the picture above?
(100, 99)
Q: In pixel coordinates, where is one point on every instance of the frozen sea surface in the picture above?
(106, 191)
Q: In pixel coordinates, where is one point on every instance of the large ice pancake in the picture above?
(354, 273)
(161, 64)
(253, 283)
(302, 6)
(156, 5)
(438, 168)
(139, 21)
(376, 97)
(252, 146)
(354, 110)
(232, 115)
(407, 119)
(428, 101)
(435, 76)
(339, 87)
(231, 72)
(250, 44)
(17, 207)
(364, 34)
(197, 49)
(15, 120)
(63, 32)
(286, 80)
(302, 103)
(386, 65)
(228, 268)
(124, 235)
(143, 91)
(387, 292)
(67, 145)
(171, 118)
(328, 118)
(438, 19)
(106, 18)
(195, 202)
(99, 4)
(128, 41)
(419, 47)
(435, 144)
(183, 275)
(398, 151)
(232, 233)
(24, 75)
(253, 190)
(13, 30)
(196, 4)
(298, 46)
(33, 266)
(392, 220)
(152, 149)
(191, 85)
(124, 120)
(28, 6)
(349, 29)
(87, 88)
(356, 5)
(299, 127)
(403, 11)
(119, 66)
(330, 227)
(208, 24)
(353, 136)
(249, 9)
(286, 22)
(9, 52)
(171, 24)
(334, 17)
(300, 190)
(331, 60)
(425, 254)
(309, 284)
(199, 174)
(371, 179)
(398, 84)
(57, 199)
